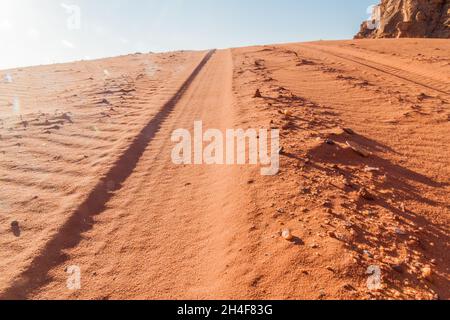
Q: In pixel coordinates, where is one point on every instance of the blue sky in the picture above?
(47, 31)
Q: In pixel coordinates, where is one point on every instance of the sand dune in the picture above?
(87, 178)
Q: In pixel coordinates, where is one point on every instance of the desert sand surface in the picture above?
(87, 177)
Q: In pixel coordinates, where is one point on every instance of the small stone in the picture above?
(287, 235)
(330, 142)
(358, 149)
(348, 287)
(413, 241)
(327, 203)
(257, 94)
(348, 130)
(347, 182)
(427, 273)
(332, 234)
(371, 169)
(15, 224)
(398, 268)
(368, 253)
(403, 207)
(400, 232)
(422, 96)
(306, 190)
(348, 224)
(364, 194)
(287, 113)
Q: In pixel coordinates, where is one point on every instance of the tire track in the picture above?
(81, 220)
(407, 76)
(172, 227)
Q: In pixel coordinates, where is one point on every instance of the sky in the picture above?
(34, 32)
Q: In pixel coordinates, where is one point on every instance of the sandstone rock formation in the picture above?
(408, 19)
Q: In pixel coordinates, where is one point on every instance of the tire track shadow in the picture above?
(82, 220)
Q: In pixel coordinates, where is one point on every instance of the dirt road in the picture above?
(167, 226)
(145, 228)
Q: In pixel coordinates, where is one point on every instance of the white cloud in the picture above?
(33, 33)
(68, 44)
(6, 25)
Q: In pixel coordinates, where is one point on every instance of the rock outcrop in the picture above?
(408, 19)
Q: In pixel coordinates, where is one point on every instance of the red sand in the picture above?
(86, 172)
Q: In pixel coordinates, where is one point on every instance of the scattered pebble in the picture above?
(348, 287)
(287, 113)
(358, 149)
(332, 234)
(15, 228)
(368, 253)
(287, 235)
(398, 268)
(423, 96)
(348, 130)
(364, 194)
(403, 207)
(427, 273)
(371, 169)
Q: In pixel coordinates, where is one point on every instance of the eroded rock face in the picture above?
(408, 19)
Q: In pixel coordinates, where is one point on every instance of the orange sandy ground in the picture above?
(86, 172)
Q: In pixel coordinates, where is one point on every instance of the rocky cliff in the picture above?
(408, 19)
